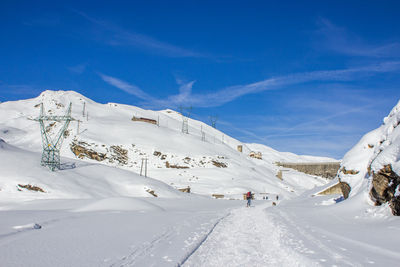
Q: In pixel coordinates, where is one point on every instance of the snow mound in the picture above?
(121, 204)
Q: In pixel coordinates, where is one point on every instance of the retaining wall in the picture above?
(324, 169)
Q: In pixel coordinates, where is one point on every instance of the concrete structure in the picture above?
(324, 169)
(341, 188)
(256, 155)
(145, 120)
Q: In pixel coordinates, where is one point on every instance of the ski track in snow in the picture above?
(336, 254)
(328, 252)
(248, 237)
(144, 253)
(145, 249)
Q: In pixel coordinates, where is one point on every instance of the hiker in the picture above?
(248, 197)
(277, 197)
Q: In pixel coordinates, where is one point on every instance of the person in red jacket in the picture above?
(248, 197)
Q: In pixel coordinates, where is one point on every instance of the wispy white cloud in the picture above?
(231, 93)
(185, 91)
(118, 36)
(126, 87)
(340, 40)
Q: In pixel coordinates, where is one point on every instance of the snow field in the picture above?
(160, 236)
(247, 237)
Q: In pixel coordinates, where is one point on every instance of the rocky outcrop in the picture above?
(119, 154)
(31, 187)
(151, 192)
(174, 166)
(352, 172)
(219, 164)
(79, 149)
(384, 185)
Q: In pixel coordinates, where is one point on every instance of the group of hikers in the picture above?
(249, 197)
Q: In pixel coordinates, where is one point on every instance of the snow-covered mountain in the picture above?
(98, 197)
(107, 148)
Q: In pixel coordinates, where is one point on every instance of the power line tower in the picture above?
(52, 145)
(203, 134)
(185, 119)
(213, 120)
(144, 162)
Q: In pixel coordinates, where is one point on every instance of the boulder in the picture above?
(384, 184)
(395, 205)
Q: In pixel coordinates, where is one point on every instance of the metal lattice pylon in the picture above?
(51, 146)
(213, 120)
(185, 120)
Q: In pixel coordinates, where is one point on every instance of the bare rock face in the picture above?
(395, 205)
(345, 188)
(384, 184)
(119, 154)
(81, 151)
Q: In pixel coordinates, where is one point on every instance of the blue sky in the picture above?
(309, 77)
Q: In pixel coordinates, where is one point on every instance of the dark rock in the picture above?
(395, 205)
(79, 149)
(31, 188)
(219, 164)
(345, 187)
(384, 184)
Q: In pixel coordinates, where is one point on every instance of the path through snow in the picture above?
(247, 237)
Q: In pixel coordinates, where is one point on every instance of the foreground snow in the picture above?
(195, 231)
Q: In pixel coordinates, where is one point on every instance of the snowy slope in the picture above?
(86, 180)
(213, 166)
(375, 150)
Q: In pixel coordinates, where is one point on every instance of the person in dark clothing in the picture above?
(248, 197)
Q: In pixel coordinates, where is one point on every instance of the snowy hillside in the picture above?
(372, 166)
(87, 180)
(107, 136)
